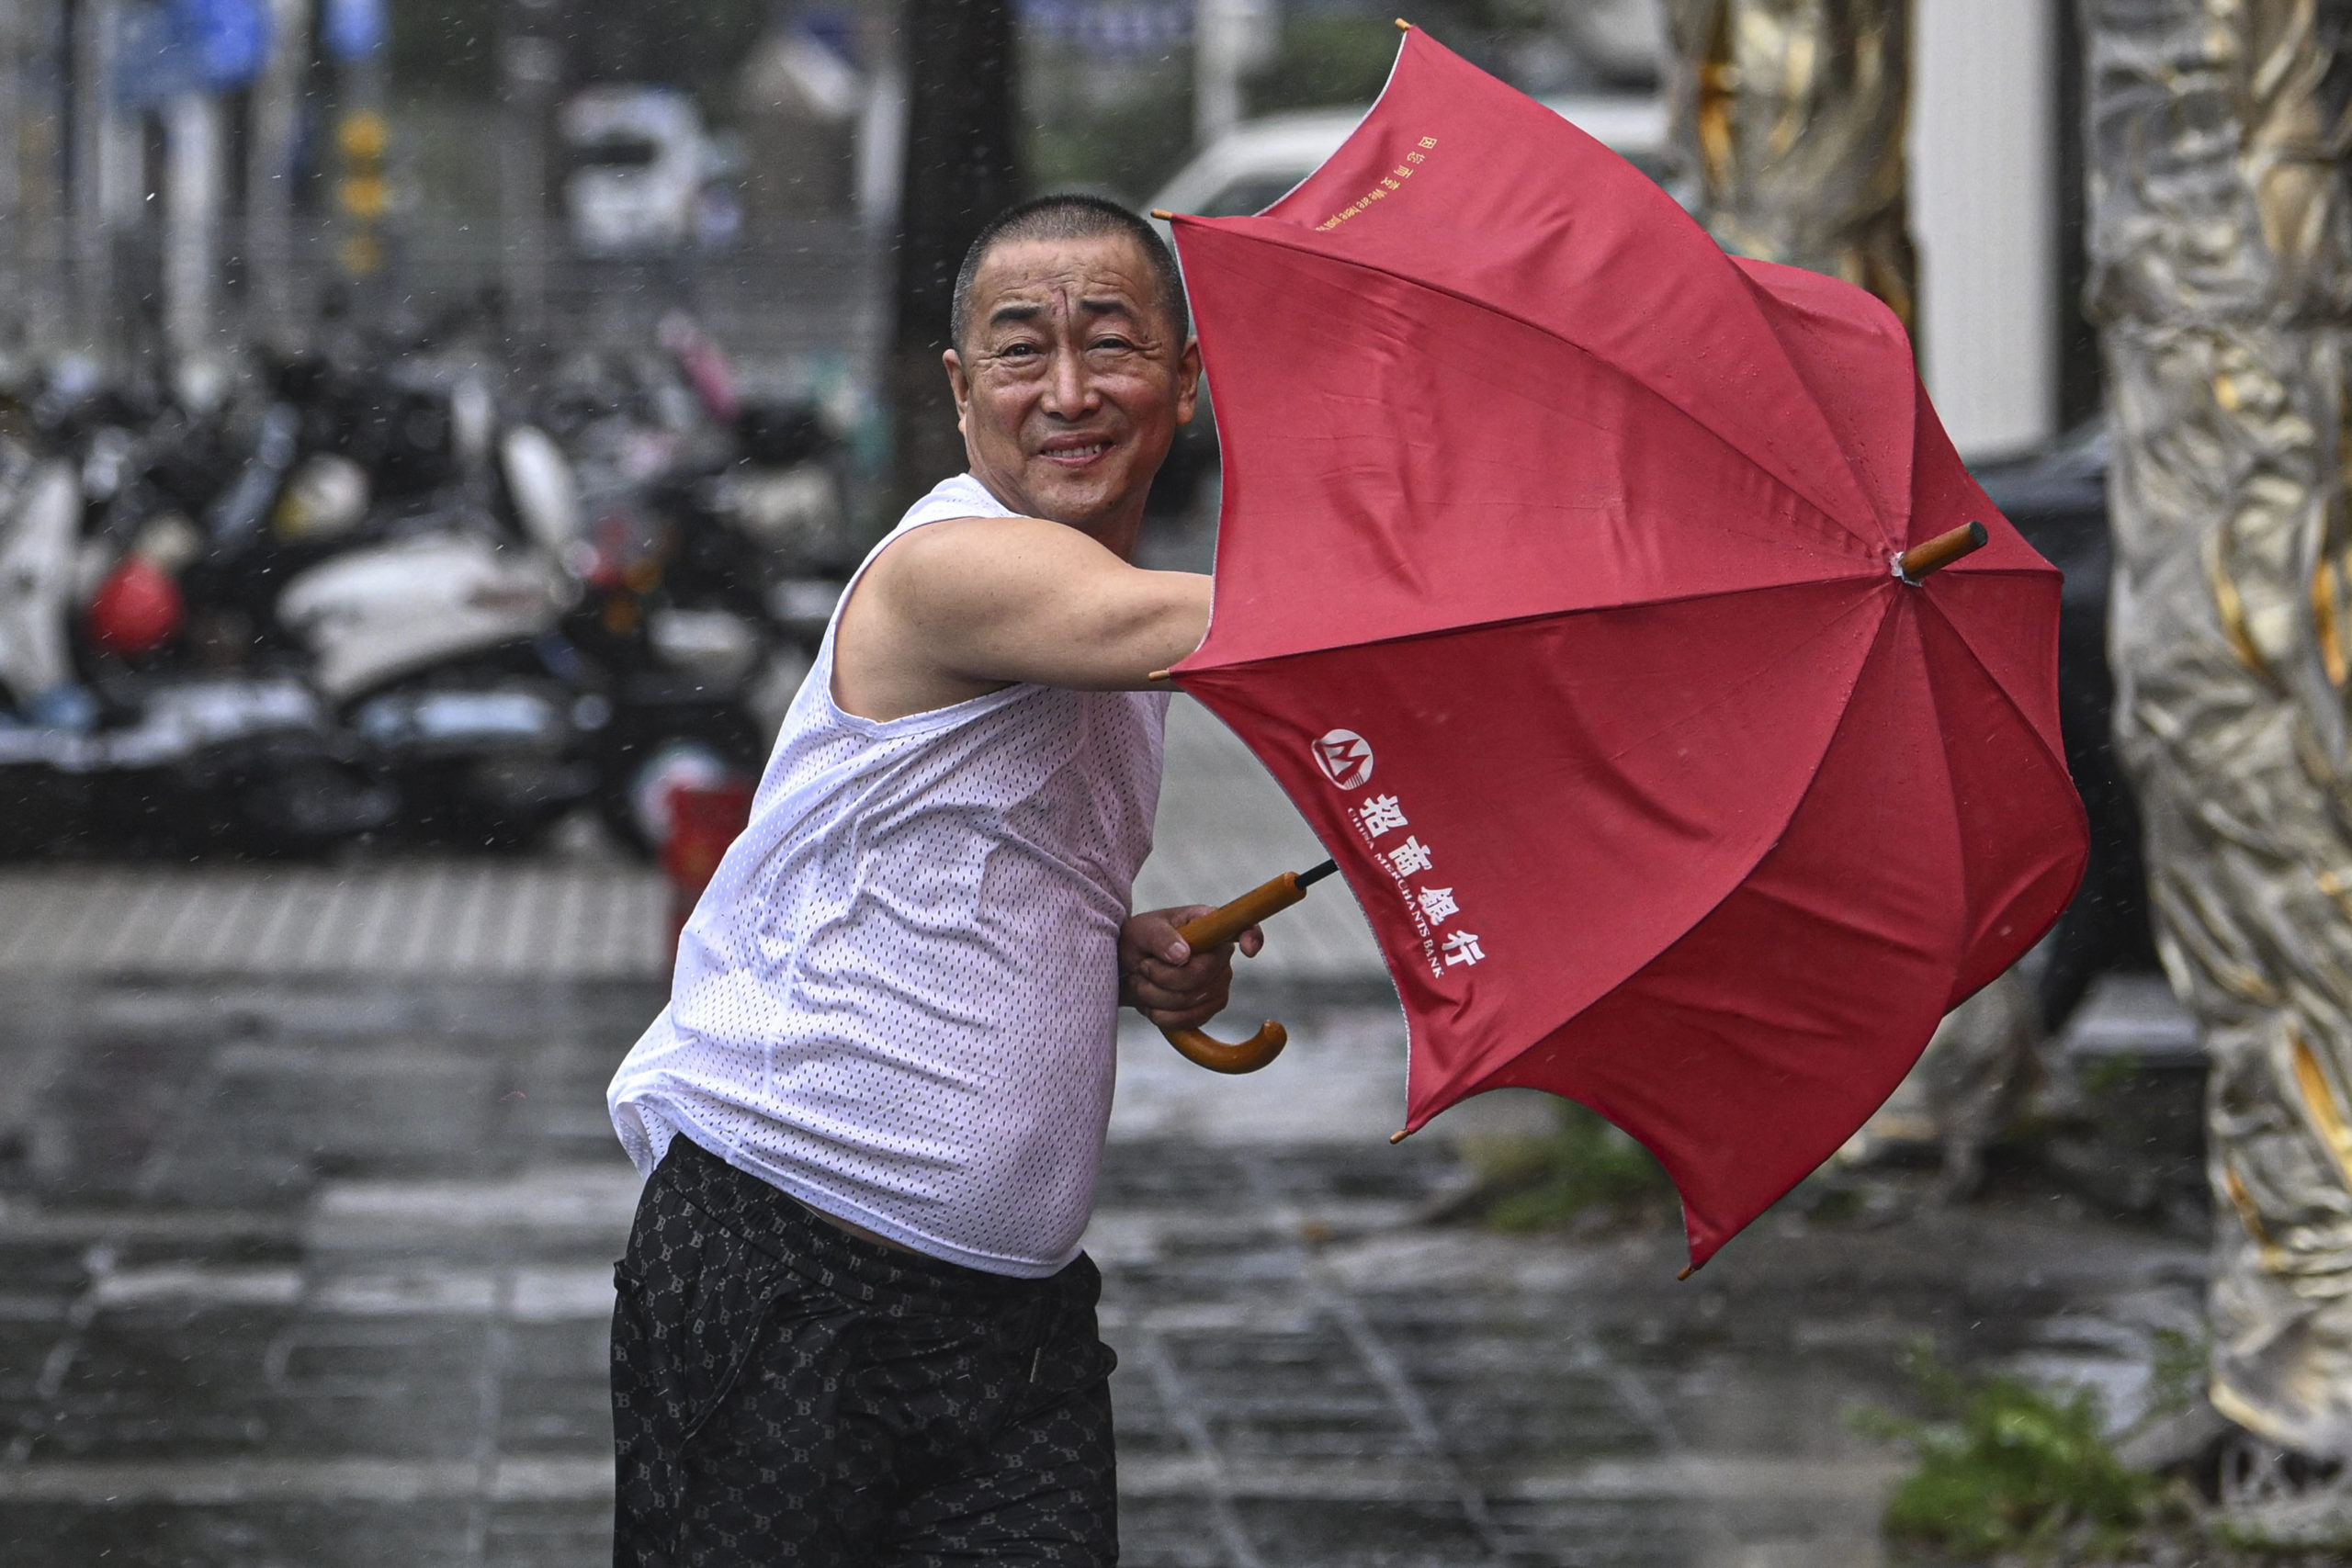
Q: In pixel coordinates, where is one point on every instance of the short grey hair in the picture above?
(1071, 218)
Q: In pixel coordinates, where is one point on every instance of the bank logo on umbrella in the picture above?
(1345, 757)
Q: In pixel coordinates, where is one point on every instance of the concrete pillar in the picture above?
(1230, 38)
(192, 193)
(1984, 213)
(97, 166)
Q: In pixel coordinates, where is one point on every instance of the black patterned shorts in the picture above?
(786, 1393)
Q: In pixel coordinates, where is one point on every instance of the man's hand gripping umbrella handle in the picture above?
(1224, 925)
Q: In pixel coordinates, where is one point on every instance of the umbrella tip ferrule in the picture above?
(1688, 1270)
(1913, 565)
(1163, 215)
(1403, 26)
(1159, 675)
(1400, 1137)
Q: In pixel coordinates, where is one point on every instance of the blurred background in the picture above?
(434, 435)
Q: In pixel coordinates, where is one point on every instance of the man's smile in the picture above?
(1075, 451)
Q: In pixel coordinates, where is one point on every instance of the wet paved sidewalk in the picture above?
(318, 1274)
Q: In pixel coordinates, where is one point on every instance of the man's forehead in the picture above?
(1098, 267)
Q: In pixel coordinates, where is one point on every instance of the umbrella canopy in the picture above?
(1553, 584)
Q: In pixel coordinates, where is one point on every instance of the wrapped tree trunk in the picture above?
(1791, 114)
(2219, 275)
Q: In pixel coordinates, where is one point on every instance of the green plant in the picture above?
(1536, 1183)
(2176, 1380)
(2108, 1073)
(2007, 1469)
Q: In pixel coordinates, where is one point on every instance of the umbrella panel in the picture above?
(1751, 1048)
(2002, 773)
(1574, 792)
(1422, 462)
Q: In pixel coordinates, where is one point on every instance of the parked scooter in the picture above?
(439, 649)
(105, 736)
(707, 587)
(347, 602)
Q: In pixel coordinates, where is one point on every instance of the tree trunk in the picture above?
(963, 168)
(2219, 244)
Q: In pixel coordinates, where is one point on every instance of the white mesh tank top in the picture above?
(897, 999)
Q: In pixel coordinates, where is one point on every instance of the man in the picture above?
(853, 1324)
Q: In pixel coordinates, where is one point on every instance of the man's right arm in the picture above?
(962, 607)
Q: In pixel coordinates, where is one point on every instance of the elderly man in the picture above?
(854, 1326)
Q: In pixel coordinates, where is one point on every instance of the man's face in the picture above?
(1071, 384)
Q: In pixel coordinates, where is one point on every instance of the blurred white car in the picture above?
(637, 158)
(1254, 165)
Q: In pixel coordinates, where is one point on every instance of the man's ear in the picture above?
(1188, 381)
(958, 383)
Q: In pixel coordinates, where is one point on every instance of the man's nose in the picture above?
(1069, 391)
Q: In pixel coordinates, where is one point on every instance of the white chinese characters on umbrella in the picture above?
(1383, 815)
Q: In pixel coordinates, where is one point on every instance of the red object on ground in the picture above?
(705, 363)
(1553, 585)
(136, 610)
(703, 820)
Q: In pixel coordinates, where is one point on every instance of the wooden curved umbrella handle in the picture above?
(1241, 1056)
(1223, 925)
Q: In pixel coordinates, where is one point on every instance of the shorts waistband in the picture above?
(779, 1225)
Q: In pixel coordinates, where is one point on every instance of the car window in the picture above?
(619, 153)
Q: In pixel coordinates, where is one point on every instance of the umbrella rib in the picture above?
(1284, 242)
(1870, 580)
(1944, 797)
(2056, 759)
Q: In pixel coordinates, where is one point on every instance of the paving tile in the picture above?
(548, 1536)
(1169, 1532)
(240, 1381)
(240, 1536)
(553, 1396)
(1302, 1533)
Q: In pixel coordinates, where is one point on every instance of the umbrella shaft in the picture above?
(1940, 551)
(1225, 924)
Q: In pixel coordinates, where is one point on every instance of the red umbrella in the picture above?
(1556, 584)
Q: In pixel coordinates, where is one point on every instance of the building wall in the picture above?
(1983, 213)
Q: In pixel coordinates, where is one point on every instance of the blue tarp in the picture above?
(190, 46)
(354, 29)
